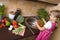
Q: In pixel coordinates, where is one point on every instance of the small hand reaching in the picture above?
(38, 26)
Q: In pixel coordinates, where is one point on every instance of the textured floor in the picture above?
(56, 34)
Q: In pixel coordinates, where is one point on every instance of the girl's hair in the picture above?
(55, 11)
(57, 14)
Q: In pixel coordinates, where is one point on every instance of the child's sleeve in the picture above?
(48, 25)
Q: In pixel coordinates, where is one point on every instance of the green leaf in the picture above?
(20, 19)
(2, 8)
(19, 29)
(42, 13)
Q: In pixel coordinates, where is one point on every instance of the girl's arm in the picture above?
(39, 27)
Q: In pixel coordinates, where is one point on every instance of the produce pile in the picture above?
(14, 26)
(12, 22)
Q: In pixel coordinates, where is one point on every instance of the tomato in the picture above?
(3, 21)
(3, 25)
(0, 26)
(15, 26)
(14, 22)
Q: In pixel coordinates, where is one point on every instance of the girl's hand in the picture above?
(38, 26)
(35, 22)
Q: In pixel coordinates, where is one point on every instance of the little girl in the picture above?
(47, 29)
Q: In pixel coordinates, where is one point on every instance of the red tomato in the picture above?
(3, 21)
(3, 25)
(14, 22)
(15, 26)
(0, 26)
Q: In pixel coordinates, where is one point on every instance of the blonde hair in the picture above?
(57, 13)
